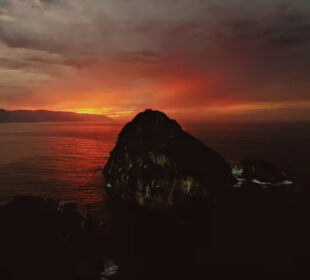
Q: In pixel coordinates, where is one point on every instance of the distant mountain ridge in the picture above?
(48, 116)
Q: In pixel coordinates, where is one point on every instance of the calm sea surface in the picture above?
(64, 160)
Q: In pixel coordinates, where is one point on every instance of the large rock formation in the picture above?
(45, 239)
(155, 162)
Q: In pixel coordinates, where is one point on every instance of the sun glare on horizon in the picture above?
(106, 111)
(94, 111)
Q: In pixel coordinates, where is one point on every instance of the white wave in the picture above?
(110, 269)
(282, 183)
(237, 171)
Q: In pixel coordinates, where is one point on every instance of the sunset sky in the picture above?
(194, 59)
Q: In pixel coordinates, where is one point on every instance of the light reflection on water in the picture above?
(60, 160)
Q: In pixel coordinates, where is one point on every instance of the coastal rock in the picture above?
(46, 239)
(263, 173)
(156, 163)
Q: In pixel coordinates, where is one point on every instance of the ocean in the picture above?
(64, 160)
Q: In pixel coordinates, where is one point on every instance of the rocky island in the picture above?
(156, 163)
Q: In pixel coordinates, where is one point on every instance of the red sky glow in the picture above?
(196, 60)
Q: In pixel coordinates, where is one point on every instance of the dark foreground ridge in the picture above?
(172, 210)
(46, 239)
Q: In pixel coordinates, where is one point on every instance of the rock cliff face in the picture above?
(156, 163)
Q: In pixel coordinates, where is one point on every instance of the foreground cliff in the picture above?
(42, 238)
(156, 163)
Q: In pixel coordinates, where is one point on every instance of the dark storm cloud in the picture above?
(146, 57)
(283, 30)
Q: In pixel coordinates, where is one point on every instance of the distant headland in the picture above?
(48, 116)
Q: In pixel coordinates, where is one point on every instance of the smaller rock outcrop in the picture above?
(155, 162)
(264, 173)
(258, 174)
(42, 238)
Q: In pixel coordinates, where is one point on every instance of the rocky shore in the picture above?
(174, 209)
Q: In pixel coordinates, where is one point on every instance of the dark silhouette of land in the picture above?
(47, 116)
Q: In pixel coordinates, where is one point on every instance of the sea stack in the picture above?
(156, 163)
